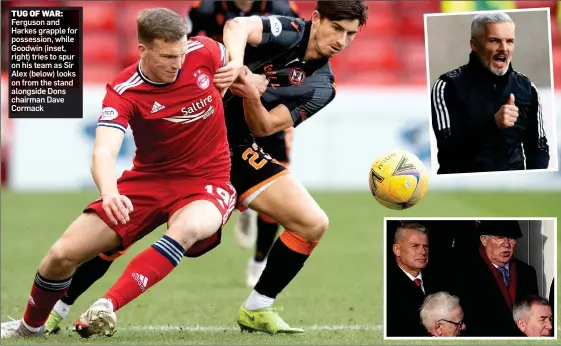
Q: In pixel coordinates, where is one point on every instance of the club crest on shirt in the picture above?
(296, 76)
(203, 81)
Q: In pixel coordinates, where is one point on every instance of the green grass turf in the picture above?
(341, 284)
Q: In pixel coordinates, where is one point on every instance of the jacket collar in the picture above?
(482, 73)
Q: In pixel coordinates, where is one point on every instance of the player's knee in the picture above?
(187, 234)
(322, 223)
(60, 259)
(317, 224)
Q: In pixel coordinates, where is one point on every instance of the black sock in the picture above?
(266, 234)
(85, 276)
(283, 265)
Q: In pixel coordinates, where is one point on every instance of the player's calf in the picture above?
(305, 223)
(195, 221)
(84, 276)
(287, 202)
(84, 239)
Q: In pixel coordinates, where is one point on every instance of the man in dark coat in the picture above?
(489, 283)
(407, 281)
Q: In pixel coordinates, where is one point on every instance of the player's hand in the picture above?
(507, 114)
(117, 207)
(244, 86)
(261, 82)
(226, 75)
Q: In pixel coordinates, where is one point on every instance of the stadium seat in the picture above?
(97, 15)
(100, 47)
(411, 16)
(129, 11)
(100, 73)
(536, 4)
(305, 8)
(34, 3)
(131, 56)
(413, 57)
(381, 22)
(371, 54)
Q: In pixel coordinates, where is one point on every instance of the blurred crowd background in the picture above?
(390, 49)
(388, 53)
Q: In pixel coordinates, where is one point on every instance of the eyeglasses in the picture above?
(457, 324)
(503, 239)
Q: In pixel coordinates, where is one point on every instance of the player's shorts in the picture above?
(156, 197)
(253, 171)
(277, 145)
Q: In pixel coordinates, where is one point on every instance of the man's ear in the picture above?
(521, 325)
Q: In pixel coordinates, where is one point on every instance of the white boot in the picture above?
(18, 329)
(245, 229)
(254, 271)
(99, 319)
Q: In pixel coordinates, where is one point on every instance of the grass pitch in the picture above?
(337, 298)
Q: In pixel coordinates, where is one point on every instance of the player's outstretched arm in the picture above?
(536, 148)
(108, 141)
(237, 33)
(240, 31)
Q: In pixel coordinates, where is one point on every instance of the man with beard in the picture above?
(486, 116)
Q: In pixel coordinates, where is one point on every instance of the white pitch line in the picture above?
(232, 328)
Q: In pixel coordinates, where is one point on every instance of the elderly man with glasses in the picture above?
(490, 282)
(442, 315)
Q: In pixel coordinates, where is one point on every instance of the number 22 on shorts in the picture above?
(253, 155)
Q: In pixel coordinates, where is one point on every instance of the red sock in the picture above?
(144, 271)
(43, 297)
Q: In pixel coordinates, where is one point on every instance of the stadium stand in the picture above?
(389, 51)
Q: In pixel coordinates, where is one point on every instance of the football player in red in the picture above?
(180, 174)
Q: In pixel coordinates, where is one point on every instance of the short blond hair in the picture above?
(160, 23)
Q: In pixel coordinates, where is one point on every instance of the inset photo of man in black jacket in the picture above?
(488, 116)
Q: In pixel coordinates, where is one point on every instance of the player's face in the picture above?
(499, 249)
(495, 47)
(163, 59)
(413, 250)
(539, 322)
(331, 37)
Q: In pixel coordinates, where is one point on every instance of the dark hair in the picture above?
(160, 23)
(344, 10)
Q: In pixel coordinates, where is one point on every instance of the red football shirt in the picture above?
(178, 128)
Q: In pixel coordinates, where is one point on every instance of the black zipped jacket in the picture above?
(464, 102)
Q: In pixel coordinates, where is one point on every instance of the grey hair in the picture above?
(437, 306)
(408, 226)
(479, 21)
(522, 308)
